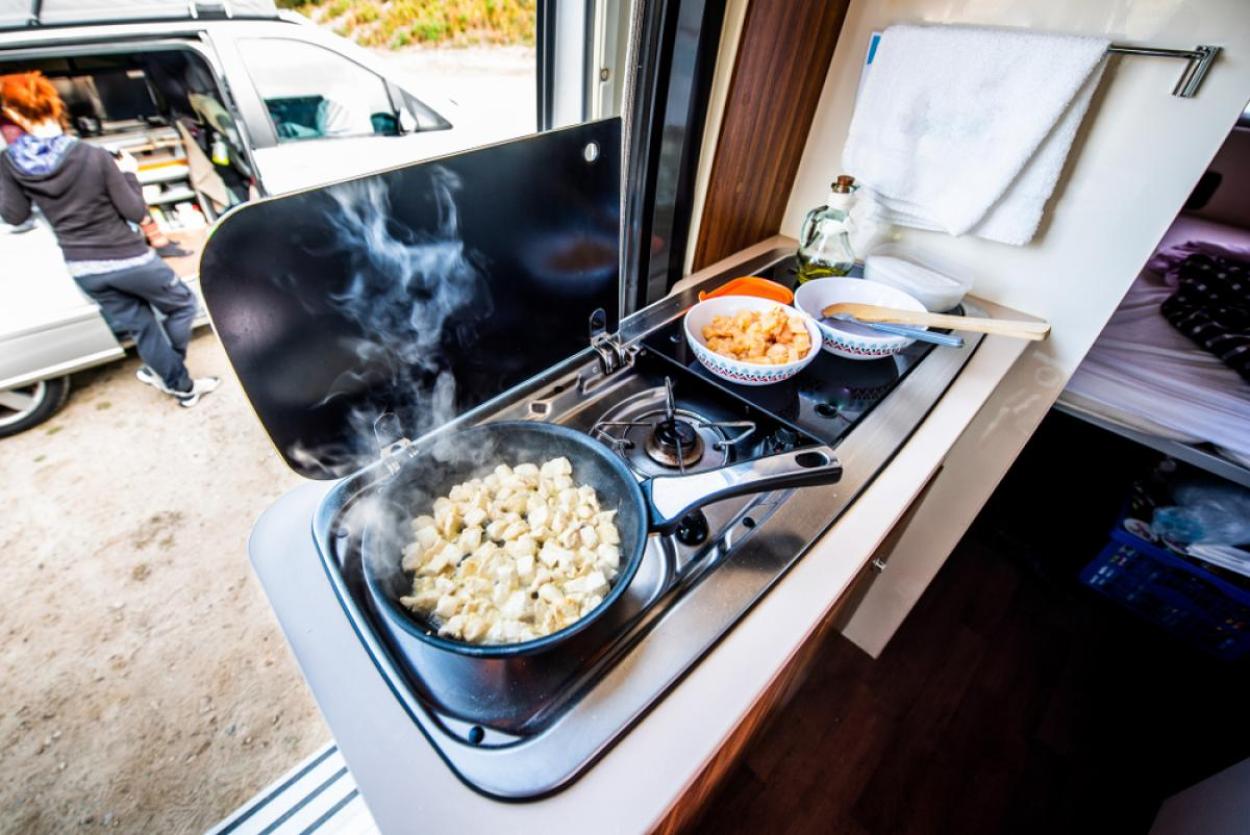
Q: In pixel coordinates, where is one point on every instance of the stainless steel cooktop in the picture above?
(662, 413)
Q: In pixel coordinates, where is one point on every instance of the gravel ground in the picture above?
(144, 684)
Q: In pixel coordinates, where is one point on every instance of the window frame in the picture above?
(665, 68)
(673, 60)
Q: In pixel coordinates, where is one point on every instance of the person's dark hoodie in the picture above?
(81, 192)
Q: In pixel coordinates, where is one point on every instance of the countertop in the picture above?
(637, 782)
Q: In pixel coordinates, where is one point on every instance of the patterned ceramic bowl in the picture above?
(736, 371)
(847, 339)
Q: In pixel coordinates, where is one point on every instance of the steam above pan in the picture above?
(416, 292)
(409, 292)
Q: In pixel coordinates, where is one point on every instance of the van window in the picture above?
(313, 93)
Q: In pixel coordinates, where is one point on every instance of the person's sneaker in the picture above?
(149, 377)
(199, 388)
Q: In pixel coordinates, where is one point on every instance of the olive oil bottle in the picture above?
(825, 241)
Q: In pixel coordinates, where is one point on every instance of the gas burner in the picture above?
(655, 437)
(649, 441)
(674, 442)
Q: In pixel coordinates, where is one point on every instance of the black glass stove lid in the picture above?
(422, 291)
(825, 400)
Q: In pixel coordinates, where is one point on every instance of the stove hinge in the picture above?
(613, 356)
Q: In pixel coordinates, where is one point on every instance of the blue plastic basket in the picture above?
(1190, 603)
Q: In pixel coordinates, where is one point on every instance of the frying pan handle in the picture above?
(672, 497)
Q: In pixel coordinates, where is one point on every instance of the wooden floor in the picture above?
(1012, 700)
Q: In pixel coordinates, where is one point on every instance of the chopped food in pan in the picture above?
(520, 553)
(769, 337)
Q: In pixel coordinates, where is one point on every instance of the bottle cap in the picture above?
(843, 184)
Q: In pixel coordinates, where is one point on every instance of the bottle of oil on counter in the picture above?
(824, 241)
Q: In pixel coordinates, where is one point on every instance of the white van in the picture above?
(283, 104)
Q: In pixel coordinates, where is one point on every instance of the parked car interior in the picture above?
(164, 107)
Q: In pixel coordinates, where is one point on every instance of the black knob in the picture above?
(692, 530)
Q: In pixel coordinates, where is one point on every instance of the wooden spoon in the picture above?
(1002, 327)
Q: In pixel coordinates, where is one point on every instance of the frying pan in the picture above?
(657, 504)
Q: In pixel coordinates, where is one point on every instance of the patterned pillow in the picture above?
(1211, 306)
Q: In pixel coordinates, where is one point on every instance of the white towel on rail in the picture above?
(965, 129)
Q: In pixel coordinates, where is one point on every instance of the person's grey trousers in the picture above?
(127, 298)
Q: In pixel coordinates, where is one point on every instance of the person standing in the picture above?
(92, 200)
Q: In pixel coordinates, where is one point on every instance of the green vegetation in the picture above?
(400, 23)
(335, 8)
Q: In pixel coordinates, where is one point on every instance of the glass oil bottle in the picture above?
(824, 241)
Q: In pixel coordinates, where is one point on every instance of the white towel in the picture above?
(966, 129)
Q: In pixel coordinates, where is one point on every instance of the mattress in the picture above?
(1144, 374)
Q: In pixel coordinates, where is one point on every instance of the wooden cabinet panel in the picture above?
(780, 70)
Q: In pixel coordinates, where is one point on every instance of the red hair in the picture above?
(31, 96)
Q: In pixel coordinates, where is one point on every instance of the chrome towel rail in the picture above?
(1199, 62)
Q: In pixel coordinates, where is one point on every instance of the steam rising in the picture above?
(404, 290)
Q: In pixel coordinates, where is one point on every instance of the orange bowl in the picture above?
(751, 285)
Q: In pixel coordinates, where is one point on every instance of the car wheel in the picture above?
(27, 406)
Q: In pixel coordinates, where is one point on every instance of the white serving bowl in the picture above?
(848, 339)
(736, 371)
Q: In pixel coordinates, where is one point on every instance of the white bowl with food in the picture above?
(751, 341)
(850, 339)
